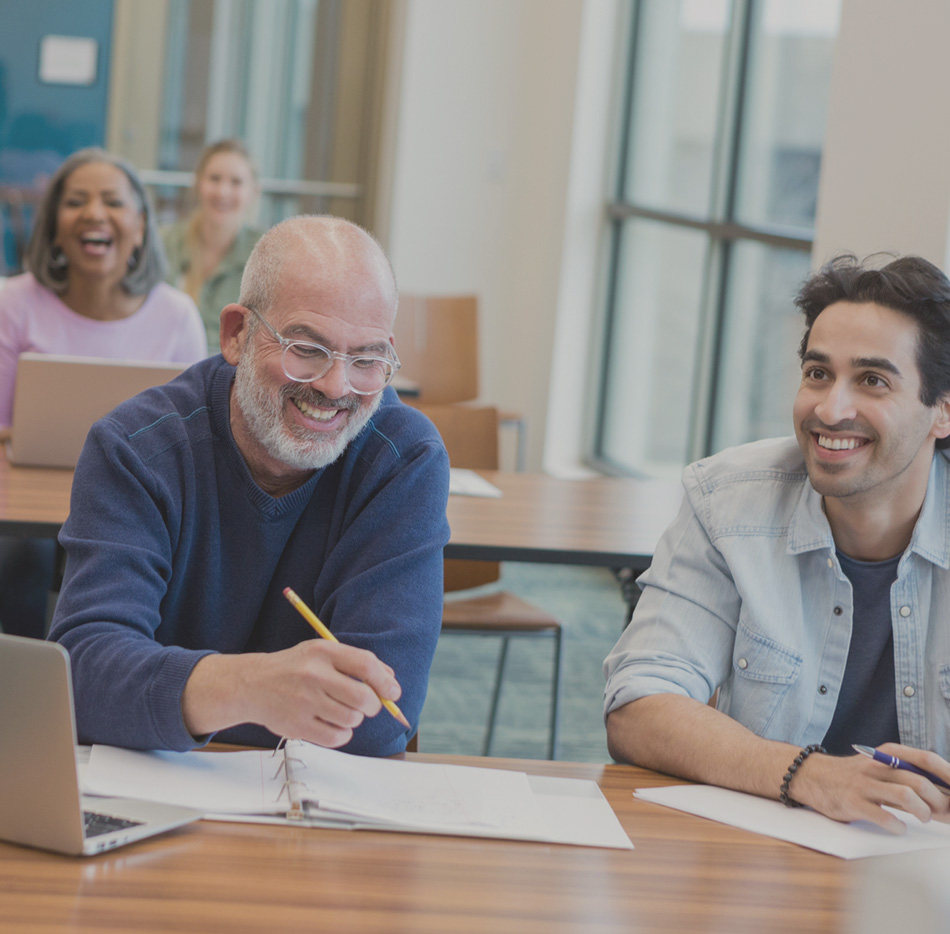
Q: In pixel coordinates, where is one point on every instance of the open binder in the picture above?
(308, 785)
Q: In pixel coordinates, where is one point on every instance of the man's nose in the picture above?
(333, 383)
(836, 405)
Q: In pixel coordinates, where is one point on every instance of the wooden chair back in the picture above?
(437, 343)
(470, 434)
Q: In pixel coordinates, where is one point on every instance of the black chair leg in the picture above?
(496, 697)
(555, 696)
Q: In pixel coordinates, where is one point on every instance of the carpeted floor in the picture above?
(589, 603)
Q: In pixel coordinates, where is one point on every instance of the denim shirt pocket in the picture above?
(763, 670)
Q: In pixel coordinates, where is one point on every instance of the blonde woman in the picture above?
(207, 250)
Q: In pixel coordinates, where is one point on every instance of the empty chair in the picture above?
(437, 342)
(470, 434)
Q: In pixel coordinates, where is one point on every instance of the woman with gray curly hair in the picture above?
(94, 288)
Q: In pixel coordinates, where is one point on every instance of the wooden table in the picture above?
(686, 874)
(34, 501)
(605, 521)
(612, 522)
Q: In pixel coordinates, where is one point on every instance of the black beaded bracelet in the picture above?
(790, 774)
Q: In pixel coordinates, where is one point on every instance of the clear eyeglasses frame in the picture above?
(305, 361)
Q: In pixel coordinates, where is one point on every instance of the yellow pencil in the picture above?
(322, 630)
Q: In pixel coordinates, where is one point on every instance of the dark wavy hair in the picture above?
(148, 270)
(910, 285)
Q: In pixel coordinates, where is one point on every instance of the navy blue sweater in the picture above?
(174, 552)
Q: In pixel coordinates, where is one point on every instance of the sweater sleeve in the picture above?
(119, 548)
(381, 585)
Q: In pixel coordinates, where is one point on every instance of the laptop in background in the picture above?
(40, 801)
(58, 397)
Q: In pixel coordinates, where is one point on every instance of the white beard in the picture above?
(264, 414)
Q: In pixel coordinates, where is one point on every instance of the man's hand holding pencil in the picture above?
(319, 691)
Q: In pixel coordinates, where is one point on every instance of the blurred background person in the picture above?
(208, 249)
(94, 288)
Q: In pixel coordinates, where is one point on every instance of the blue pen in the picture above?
(896, 763)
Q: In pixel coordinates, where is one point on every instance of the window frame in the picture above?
(721, 229)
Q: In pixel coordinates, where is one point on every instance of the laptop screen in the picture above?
(47, 433)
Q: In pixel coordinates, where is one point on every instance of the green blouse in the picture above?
(224, 285)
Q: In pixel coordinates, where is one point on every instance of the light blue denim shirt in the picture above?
(745, 593)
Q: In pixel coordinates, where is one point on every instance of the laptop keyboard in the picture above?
(96, 824)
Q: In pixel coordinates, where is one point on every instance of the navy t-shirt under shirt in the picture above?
(867, 709)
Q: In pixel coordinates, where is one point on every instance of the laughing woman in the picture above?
(94, 289)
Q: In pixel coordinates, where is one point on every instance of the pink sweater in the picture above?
(32, 318)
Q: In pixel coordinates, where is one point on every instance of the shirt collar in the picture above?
(931, 538)
(809, 529)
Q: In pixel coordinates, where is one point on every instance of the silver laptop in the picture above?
(58, 397)
(40, 801)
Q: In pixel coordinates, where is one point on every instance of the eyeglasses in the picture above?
(304, 361)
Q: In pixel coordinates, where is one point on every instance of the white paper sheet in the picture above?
(468, 483)
(253, 782)
(798, 825)
(363, 793)
(565, 811)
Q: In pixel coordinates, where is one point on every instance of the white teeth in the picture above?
(837, 444)
(321, 415)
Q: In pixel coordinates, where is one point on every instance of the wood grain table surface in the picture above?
(685, 874)
(605, 521)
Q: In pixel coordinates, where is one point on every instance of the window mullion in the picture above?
(722, 209)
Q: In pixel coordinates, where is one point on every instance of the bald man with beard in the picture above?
(287, 460)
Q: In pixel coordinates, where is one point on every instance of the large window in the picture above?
(300, 81)
(712, 222)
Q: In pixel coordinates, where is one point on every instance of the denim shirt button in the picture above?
(909, 691)
(904, 611)
(838, 611)
(831, 563)
(823, 689)
(743, 663)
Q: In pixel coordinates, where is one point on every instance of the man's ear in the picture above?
(941, 428)
(234, 325)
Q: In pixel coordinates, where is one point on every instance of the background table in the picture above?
(686, 874)
(33, 500)
(604, 521)
(612, 522)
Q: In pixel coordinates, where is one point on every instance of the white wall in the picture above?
(484, 198)
(885, 175)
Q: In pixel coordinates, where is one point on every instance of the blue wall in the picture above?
(40, 124)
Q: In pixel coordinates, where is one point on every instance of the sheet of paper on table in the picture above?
(798, 825)
(463, 482)
(312, 786)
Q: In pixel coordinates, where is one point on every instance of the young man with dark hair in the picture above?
(808, 578)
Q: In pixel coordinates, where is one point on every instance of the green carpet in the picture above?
(589, 604)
